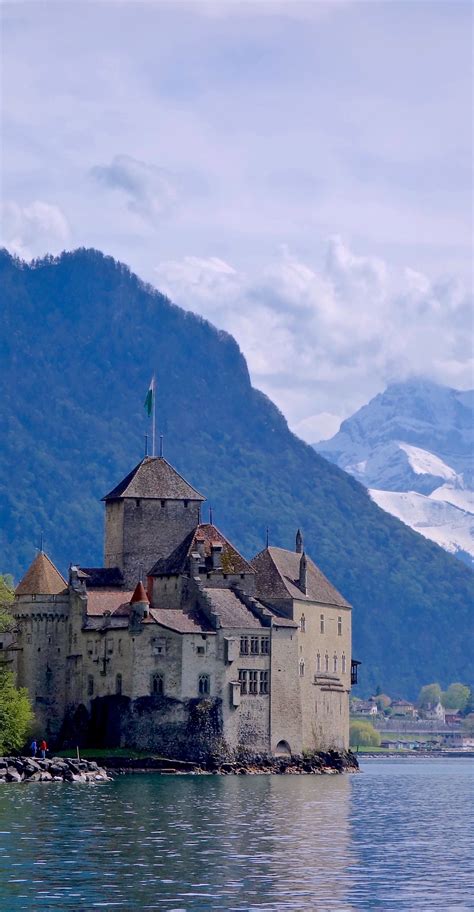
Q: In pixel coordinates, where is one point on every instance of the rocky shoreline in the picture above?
(317, 764)
(56, 769)
(67, 769)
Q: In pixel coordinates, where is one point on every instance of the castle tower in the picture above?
(41, 612)
(147, 516)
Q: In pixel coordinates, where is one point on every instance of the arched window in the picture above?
(321, 623)
(326, 662)
(301, 668)
(303, 623)
(343, 663)
(157, 683)
(335, 663)
(118, 684)
(318, 662)
(204, 685)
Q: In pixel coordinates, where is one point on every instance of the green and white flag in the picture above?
(150, 397)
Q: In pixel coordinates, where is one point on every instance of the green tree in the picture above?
(363, 734)
(7, 595)
(456, 697)
(430, 693)
(16, 713)
(468, 724)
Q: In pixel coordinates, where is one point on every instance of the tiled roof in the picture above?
(101, 600)
(97, 577)
(41, 578)
(156, 479)
(231, 610)
(181, 621)
(177, 562)
(278, 577)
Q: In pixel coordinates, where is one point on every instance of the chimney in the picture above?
(216, 554)
(200, 543)
(303, 581)
(299, 542)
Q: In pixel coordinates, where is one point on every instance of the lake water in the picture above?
(398, 836)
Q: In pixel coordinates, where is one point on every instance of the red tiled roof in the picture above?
(41, 578)
(100, 601)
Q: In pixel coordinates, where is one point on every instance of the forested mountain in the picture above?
(80, 338)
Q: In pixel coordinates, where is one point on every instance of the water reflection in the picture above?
(198, 844)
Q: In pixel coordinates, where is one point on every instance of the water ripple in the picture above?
(397, 837)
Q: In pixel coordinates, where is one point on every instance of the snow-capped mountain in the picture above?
(412, 446)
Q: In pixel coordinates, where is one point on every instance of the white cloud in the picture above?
(321, 340)
(35, 229)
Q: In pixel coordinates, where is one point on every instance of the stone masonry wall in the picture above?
(151, 529)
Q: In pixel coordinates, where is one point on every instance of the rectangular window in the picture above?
(244, 645)
(243, 680)
(254, 645)
(118, 684)
(339, 626)
(90, 686)
(302, 623)
(264, 682)
(158, 646)
(265, 645)
(321, 623)
(253, 682)
(201, 650)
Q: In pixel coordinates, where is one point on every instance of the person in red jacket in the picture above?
(43, 749)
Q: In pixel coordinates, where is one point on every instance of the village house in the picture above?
(180, 644)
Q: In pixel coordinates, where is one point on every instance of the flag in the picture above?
(150, 396)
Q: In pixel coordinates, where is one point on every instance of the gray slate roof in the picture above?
(154, 478)
(231, 610)
(278, 573)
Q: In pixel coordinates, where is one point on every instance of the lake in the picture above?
(397, 836)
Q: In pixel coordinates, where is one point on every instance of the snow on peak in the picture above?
(424, 463)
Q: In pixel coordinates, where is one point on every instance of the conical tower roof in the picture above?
(139, 594)
(41, 578)
(154, 478)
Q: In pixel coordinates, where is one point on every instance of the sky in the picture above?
(298, 173)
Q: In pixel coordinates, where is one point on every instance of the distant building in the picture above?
(403, 708)
(179, 644)
(434, 711)
(366, 708)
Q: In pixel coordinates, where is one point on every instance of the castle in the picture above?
(179, 644)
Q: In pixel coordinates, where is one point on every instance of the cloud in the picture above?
(321, 340)
(34, 229)
(150, 192)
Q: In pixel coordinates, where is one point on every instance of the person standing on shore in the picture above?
(43, 749)
(34, 748)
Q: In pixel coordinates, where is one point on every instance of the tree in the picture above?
(16, 713)
(7, 595)
(456, 697)
(468, 724)
(363, 733)
(430, 694)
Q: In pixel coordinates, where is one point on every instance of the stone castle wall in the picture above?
(139, 531)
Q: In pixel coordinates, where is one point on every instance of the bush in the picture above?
(16, 713)
(363, 734)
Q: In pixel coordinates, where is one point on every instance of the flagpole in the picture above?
(153, 419)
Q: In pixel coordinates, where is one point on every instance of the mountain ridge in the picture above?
(80, 338)
(412, 446)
